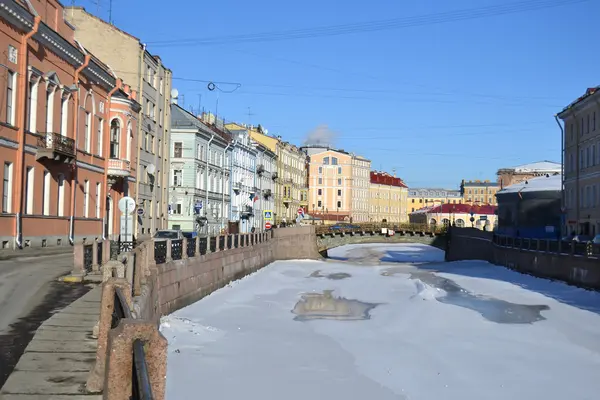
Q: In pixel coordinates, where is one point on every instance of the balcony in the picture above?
(304, 203)
(267, 193)
(287, 201)
(260, 169)
(253, 189)
(236, 186)
(118, 168)
(56, 147)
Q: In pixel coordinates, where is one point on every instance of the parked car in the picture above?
(596, 239)
(168, 234)
(340, 226)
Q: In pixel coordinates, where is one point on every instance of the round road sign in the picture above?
(300, 211)
(126, 205)
(267, 225)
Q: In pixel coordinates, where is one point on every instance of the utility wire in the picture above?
(374, 26)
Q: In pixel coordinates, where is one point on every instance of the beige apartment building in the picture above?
(289, 177)
(479, 192)
(388, 198)
(361, 170)
(128, 59)
(338, 185)
(581, 156)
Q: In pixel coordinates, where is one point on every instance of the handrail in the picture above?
(141, 388)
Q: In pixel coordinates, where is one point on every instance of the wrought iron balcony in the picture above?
(267, 193)
(274, 176)
(260, 169)
(237, 186)
(54, 146)
(287, 200)
(119, 168)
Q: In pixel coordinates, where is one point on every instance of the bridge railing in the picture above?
(585, 249)
(371, 227)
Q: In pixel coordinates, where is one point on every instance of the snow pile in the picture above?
(541, 184)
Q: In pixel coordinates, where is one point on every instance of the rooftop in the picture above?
(541, 184)
(589, 92)
(478, 183)
(383, 178)
(540, 166)
(458, 209)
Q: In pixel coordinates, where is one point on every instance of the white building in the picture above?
(200, 158)
(266, 166)
(244, 190)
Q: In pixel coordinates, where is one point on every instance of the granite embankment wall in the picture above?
(168, 287)
(537, 258)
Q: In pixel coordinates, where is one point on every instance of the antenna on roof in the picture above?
(110, 21)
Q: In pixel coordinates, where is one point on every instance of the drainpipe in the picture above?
(76, 130)
(223, 186)
(21, 110)
(206, 181)
(562, 166)
(140, 136)
(106, 149)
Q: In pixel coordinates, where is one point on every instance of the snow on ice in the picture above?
(386, 322)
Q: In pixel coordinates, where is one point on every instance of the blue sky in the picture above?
(437, 102)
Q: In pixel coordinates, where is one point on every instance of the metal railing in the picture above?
(586, 249)
(229, 241)
(140, 388)
(191, 247)
(370, 227)
(56, 142)
(213, 244)
(160, 251)
(202, 246)
(176, 249)
(88, 257)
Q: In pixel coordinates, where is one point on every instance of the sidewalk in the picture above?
(56, 363)
(10, 254)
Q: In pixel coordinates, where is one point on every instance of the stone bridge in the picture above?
(329, 237)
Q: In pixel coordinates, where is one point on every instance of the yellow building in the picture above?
(479, 192)
(388, 198)
(291, 191)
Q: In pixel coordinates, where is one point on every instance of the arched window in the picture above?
(334, 161)
(115, 135)
(446, 221)
(432, 221)
(460, 223)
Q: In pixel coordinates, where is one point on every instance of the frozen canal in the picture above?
(386, 322)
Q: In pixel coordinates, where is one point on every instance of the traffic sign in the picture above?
(140, 211)
(300, 211)
(126, 205)
(268, 225)
(268, 215)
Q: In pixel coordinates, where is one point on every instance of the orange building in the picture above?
(58, 175)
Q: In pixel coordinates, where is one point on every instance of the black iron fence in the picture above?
(587, 249)
(221, 243)
(202, 245)
(88, 257)
(191, 247)
(99, 253)
(160, 251)
(229, 241)
(236, 240)
(370, 227)
(176, 249)
(141, 388)
(213, 244)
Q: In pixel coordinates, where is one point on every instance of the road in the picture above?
(29, 294)
(387, 322)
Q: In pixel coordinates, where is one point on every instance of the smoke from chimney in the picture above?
(321, 135)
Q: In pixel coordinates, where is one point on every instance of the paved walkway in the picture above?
(56, 363)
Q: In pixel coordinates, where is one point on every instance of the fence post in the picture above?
(184, 255)
(95, 381)
(95, 266)
(119, 364)
(105, 250)
(168, 257)
(197, 247)
(78, 262)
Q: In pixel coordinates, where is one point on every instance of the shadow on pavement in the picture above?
(13, 344)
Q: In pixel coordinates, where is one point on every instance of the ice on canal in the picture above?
(386, 322)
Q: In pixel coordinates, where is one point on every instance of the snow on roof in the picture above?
(541, 184)
(540, 166)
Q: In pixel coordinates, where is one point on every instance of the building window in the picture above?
(320, 180)
(86, 198)
(177, 177)
(339, 192)
(99, 133)
(64, 116)
(7, 188)
(50, 109)
(319, 192)
(46, 194)
(29, 185)
(10, 97)
(87, 132)
(581, 154)
(115, 136)
(594, 121)
(33, 100)
(161, 86)
(61, 196)
(339, 181)
(177, 149)
(98, 199)
(160, 117)
(593, 158)
(320, 170)
(339, 204)
(326, 161)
